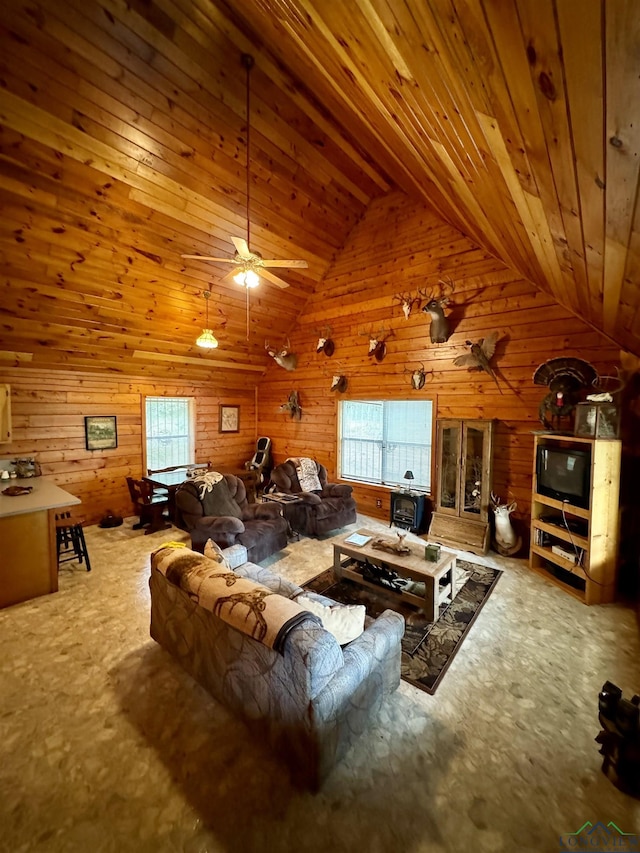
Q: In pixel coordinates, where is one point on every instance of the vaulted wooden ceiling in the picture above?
(123, 146)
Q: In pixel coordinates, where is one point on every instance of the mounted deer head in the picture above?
(418, 377)
(407, 302)
(377, 345)
(282, 356)
(506, 541)
(339, 383)
(325, 344)
(439, 329)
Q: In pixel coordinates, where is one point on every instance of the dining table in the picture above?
(171, 480)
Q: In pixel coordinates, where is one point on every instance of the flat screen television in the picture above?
(564, 474)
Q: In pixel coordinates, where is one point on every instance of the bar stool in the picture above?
(70, 541)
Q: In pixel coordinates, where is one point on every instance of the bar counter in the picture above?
(29, 564)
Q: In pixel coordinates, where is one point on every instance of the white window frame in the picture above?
(428, 446)
(191, 437)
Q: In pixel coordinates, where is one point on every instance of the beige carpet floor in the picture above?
(107, 745)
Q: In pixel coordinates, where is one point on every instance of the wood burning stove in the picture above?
(408, 511)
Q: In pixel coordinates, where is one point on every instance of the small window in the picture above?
(170, 431)
(382, 439)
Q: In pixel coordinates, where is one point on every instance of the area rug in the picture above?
(427, 647)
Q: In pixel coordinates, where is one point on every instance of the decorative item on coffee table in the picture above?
(435, 581)
(391, 546)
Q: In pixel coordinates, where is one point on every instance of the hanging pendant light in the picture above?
(207, 339)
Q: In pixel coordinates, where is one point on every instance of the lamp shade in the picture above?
(207, 340)
(408, 475)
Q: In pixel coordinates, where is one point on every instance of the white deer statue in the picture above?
(506, 542)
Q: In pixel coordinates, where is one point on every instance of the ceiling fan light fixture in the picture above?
(252, 279)
(247, 278)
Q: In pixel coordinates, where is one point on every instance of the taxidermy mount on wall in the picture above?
(292, 406)
(407, 302)
(479, 356)
(325, 344)
(439, 331)
(418, 377)
(377, 345)
(283, 356)
(565, 378)
(339, 383)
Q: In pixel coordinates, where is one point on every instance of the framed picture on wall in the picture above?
(100, 432)
(229, 418)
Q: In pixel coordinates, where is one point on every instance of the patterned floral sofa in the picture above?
(312, 698)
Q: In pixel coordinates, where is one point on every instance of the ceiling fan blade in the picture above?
(209, 258)
(242, 247)
(272, 278)
(302, 265)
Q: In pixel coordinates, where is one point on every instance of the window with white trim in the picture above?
(170, 431)
(379, 440)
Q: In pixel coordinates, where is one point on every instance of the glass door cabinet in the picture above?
(464, 453)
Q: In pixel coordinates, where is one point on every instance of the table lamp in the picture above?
(408, 476)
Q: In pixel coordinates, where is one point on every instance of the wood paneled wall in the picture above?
(397, 247)
(48, 409)
(400, 246)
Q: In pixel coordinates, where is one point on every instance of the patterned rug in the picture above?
(427, 647)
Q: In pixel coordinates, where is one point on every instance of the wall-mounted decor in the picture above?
(566, 378)
(100, 432)
(407, 302)
(325, 344)
(377, 345)
(478, 356)
(292, 406)
(229, 418)
(282, 355)
(440, 329)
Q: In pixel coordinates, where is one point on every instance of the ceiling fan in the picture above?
(249, 266)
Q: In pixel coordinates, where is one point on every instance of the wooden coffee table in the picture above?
(439, 578)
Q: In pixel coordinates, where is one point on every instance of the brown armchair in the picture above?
(329, 508)
(224, 515)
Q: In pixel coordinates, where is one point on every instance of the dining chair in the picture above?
(149, 506)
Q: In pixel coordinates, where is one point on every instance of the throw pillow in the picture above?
(218, 501)
(344, 621)
(214, 552)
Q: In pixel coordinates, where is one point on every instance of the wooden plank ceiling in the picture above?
(123, 145)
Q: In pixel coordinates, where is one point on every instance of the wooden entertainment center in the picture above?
(575, 546)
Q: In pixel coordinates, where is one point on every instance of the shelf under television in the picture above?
(562, 533)
(560, 505)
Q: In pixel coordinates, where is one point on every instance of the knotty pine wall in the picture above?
(399, 246)
(48, 409)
